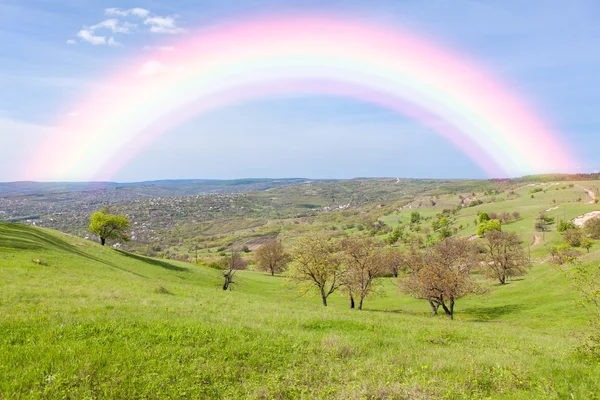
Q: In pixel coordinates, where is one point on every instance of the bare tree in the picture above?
(504, 257)
(505, 217)
(271, 257)
(441, 275)
(232, 263)
(315, 263)
(394, 260)
(364, 261)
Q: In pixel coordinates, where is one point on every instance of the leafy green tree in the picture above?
(108, 226)
(415, 217)
(564, 253)
(586, 280)
(565, 225)
(587, 243)
(483, 217)
(542, 224)
(488, 226)
(445, 232)
(315, 263)
(439, 223)
(393, 237)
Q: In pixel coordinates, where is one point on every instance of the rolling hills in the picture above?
(78, 320)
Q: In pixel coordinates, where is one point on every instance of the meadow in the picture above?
(78, 320)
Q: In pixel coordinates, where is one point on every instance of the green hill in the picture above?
(78, 320)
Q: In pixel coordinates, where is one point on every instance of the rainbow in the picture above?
(273, 56)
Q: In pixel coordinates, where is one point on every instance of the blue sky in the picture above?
(53, 51)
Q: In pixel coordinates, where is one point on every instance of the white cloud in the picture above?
(160, 24)
(160, 48)
(138, 12)
(113, 43)
(151, 68)
(157, 24)
(88, 36)
(114, 25)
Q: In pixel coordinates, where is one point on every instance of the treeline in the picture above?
(555, 177)
(440, 274)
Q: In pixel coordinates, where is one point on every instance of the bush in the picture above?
(475, 203)
(573, 236)
(215, 263)
(488, 226)
(563, 253)
(592, 227)
(483, 217)
(565, 225)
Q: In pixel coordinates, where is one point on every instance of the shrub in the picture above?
(489, 226)
(565, 225)
(592, 227)
(483, 217)
(573, 236)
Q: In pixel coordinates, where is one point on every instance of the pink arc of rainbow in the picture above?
(271, 56)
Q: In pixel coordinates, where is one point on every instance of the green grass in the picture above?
(95, 322)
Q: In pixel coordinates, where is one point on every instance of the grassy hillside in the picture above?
(81, 321)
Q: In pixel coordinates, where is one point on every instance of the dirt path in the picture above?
(536, 240)
(590, 194)
(582, 219)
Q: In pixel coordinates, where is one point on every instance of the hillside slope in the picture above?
(81, 321)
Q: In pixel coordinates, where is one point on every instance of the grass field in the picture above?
(84, 321)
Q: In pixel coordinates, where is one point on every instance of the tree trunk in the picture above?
(324, 297)
(351, 301)
(502, 280)
(360, 303)
(449, 310)
(227, 281)
(102, 241)
(451, 316)
(434, 307)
